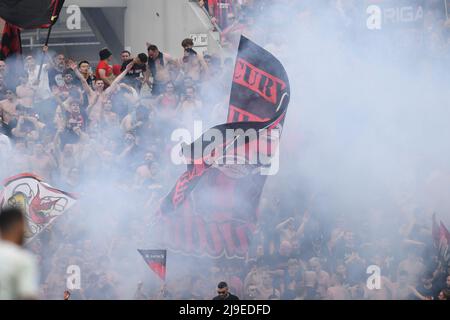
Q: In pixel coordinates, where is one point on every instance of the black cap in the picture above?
(104, 54)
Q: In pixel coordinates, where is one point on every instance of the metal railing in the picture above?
(216, 26)
(62, 44)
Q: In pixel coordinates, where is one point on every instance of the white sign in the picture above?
(73, 21)
(200, 39)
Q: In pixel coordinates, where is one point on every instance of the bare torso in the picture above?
(8, 110)
(25, 95)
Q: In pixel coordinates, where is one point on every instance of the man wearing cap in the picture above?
(104, 69)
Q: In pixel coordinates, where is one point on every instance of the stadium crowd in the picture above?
(84, 119)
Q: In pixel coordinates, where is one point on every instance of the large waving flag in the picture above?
(30, 14)
(40, 202)
(213, 208)
(24, 14)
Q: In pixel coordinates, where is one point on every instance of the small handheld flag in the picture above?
(156, 260)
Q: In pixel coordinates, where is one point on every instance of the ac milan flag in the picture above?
(40, 202)
(156, 260)
(30, 14)
(213, 208)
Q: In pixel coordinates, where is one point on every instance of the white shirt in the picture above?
(43, 89)
(18, 273)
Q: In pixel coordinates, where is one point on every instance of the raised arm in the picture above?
(119, 78)
(283, 224)
(301, 228)
(133, 95)
(170, 59)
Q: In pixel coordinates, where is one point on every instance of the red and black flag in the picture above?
(30, 14)
(25, 14)
(156, 260)
(441, 240)
(10, 41)
(214, 203)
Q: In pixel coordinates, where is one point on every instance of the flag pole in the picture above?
(43, 55)
(446, 8)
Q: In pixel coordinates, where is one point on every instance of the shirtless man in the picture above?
(287, 230)
(136, 120)
(25, 92)
(323, 278)
(385, 292)
(158, 69)
(110, 118)
(8, 106)
(193, 65)
(255, 276)
(338, 291)
(266, 289)
(98, 96)
(195, 62)
(144, 171)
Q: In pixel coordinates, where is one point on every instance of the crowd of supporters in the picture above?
(111, 120)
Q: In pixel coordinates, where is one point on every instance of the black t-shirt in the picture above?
(432, 292)
(230, 297)
(54, 76)
(132, 77)
(68, 137)
(77, 81)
